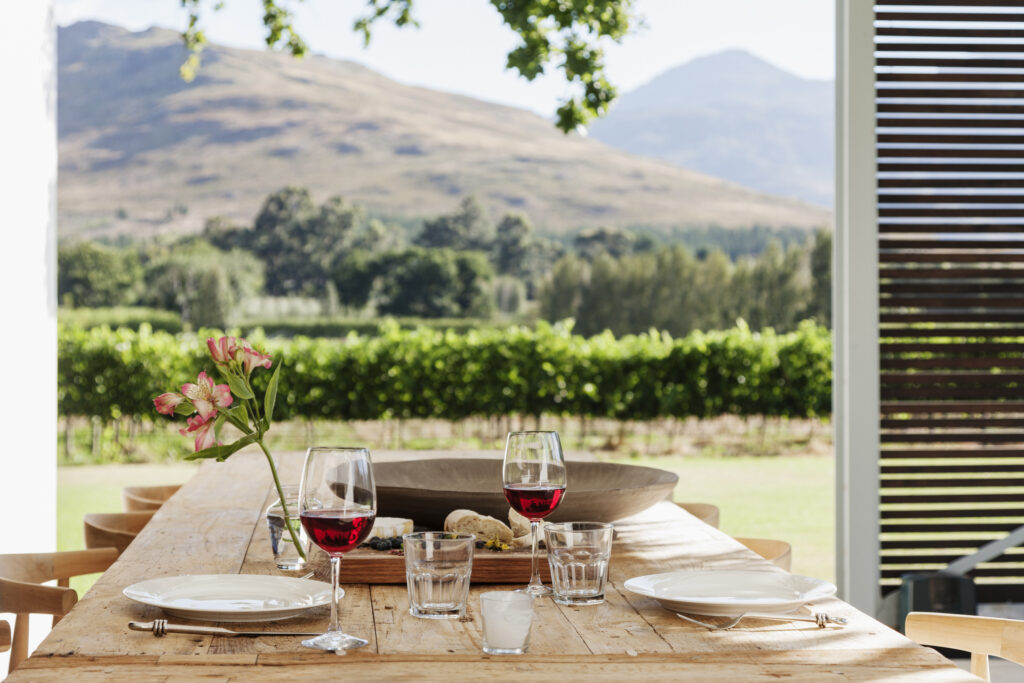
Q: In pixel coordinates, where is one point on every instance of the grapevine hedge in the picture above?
(444, 374)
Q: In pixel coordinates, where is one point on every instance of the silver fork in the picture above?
(822, 619)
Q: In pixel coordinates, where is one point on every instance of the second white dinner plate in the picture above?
(231, 597)
(730, 593)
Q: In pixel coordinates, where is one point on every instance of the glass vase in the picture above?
(286, 555)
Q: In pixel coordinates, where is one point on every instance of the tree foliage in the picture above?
(567, 36)
(93, 275)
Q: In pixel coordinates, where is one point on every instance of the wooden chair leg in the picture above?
(63, 583)
(19, 644)
(979, 665)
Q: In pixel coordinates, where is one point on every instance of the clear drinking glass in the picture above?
(578, 554)
(438, 566)
(286, 556)
(507, 616)
(533, 476)
(337, 506)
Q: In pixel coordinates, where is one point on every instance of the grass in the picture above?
(81, 490)
(788, 497)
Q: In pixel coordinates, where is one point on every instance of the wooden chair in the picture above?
(114, 529)
(705, 512)
(21, 594)
(778, 553)
(981, 636)
(143, 498)
(5, 636)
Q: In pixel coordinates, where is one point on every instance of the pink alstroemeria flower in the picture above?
(251, 358)
(206, 396)
(166, 403)
(202, 428)
(222, 350)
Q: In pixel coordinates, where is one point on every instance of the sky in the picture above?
(461, 44)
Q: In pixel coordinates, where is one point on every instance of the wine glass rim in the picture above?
(535, 431)
(344, 449)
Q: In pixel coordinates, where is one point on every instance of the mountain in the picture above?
(142, 152)
(734, 116)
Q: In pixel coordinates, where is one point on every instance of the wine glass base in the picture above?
(332, 641)
(538, 591)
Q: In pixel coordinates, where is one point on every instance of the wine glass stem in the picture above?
(534, 567)
(335, 578)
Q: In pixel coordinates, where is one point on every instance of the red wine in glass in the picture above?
(533, 501)
(338, 531)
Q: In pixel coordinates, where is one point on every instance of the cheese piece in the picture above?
(389, 527)
(485, 528)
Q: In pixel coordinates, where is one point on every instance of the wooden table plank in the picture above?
(215, 525)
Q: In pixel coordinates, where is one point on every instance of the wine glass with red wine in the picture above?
(337, 506)
(533, 475)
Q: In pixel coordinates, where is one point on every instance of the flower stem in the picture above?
(284, 505)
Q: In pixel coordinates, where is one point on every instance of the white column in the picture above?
(855, 305)
(28, 344)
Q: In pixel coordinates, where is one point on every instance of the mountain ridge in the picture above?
(142, 152)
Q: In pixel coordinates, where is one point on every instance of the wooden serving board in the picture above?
(365, 565)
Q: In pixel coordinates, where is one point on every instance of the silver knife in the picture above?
(160, 627)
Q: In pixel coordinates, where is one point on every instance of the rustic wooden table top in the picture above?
(214, 525)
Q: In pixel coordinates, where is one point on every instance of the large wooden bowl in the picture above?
(427, 490)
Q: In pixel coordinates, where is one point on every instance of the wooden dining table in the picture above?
(215, 525)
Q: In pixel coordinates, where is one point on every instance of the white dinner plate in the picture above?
(729, 593)
(231, 597)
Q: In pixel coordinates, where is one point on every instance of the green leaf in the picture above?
(184, 408)
(270, 398)
(222, 452)
(239, 387)
(238, 417)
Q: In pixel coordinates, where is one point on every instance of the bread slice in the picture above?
(486, 528)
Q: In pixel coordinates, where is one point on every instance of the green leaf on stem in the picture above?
(270, 398)
(238, 417)
(239, 387)
(222, 452)
(184, 408)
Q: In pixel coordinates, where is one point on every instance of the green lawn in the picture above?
(791, 498)
(97, 488)
(785, 497)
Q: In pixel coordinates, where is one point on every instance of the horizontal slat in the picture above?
(961, 212)
(950, 288)
(940, 228)
(985, 437)
(937, 467)
(909, 123)
(950, 363)
(926, 198)
(949, 16)
(951, 407)
(957, 498)
(948, 107)
(951, 527)
(1015, 572)
(947, 47)
(950, 483)
(955, 423)
(947, 153)
(950, 453)
(915, 300)
(1013, 591)
(1004, 273)
(979, 512)
(891, 560)
(965, 317)
(947, 32)
(937, 391)
(959, 378)
(907, 543)
(951, 3)
(953, 332)
(951, 256)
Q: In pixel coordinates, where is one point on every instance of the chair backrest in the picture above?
(21, 594)
(114, 529)
(981, 636)
(142, 498)
(705, 512)
(779, 553)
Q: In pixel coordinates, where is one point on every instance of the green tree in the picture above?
(93, 275)
(203, 283)
(560, 294)
(566, 35)
(418, 282)
(820, 306)
(511, 243)
(465, 230)
(615, 242)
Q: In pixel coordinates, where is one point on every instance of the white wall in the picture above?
(855, 394)
(28, 341)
